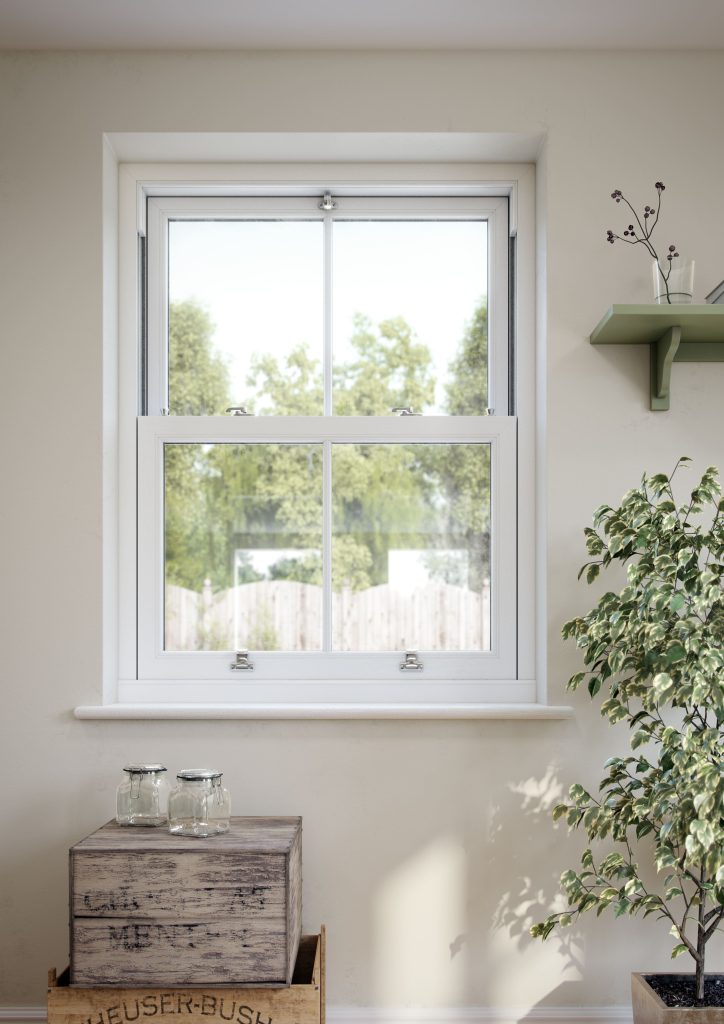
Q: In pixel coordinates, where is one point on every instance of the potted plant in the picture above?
(655, 653)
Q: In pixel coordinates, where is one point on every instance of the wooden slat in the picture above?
(208, 1005)
(260, 835)
(137, 952)
(179, 885)
(323, 975)
(294, 902)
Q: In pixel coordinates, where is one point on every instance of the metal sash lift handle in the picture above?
(242, 662)
(411, 663)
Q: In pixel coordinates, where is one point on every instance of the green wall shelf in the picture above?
(674, 334)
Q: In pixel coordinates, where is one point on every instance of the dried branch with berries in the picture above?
(640, 233)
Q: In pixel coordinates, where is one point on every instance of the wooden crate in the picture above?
(149, 908)
(303, 1002)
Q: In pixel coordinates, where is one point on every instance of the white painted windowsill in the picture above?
(323, 711)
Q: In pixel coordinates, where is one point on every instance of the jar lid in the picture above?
(198, 774)
(144, 769)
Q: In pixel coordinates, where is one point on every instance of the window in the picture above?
(327, 469)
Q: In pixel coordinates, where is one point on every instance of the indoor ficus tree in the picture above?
(656, 652)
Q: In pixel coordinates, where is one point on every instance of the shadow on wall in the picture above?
(444, 936)
(532, 897)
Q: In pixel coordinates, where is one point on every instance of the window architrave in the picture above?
(526, 697)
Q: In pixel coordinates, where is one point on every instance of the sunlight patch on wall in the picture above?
(420, 924)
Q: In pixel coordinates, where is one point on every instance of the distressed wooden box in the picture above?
(149, 908)
(303, 1002)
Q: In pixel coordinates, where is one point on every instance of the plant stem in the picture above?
(658, 211)
(642, 229)
(665, 279)
(701, 946)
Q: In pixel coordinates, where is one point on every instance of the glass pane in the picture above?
(410, 317)
(245, 317)
(411, 547)
(243, 540)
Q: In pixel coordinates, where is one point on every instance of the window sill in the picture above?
(324, 711)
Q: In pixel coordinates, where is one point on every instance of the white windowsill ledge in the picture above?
(327, 711)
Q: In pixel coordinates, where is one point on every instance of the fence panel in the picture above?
(281, 615)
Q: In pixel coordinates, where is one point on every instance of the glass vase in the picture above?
(673, 281)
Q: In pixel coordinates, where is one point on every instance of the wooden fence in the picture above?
(285, 616)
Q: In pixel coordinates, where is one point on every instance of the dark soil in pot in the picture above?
(678, 989)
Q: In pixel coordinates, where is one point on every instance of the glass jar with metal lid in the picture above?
(142, 797)
(199, 805)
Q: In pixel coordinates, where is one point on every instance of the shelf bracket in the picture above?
(677, 333)
(663, 352)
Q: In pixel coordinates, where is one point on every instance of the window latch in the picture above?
(404, 410)
(327, 203)
(411, 663)
(239, 410)
(242, 662)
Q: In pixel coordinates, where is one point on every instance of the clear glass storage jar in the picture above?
(142, 797)
(199, 805)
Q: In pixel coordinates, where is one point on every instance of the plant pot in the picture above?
(649, 1008)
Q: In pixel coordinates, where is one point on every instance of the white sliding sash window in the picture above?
(327, 461)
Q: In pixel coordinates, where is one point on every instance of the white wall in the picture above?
(424, 841)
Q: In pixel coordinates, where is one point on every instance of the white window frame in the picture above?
(162, 210)
(125, 693)
(281, 676)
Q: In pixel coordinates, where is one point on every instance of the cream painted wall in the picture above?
(425, 842)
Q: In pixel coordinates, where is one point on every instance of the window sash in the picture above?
(447, 668)
(162, 210)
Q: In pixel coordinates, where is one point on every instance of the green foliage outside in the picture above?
(228, 497)
(656, 651)
(464, 477)
(196, 537)
(200, 377)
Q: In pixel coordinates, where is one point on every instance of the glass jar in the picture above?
(142, 797)
(199, 805)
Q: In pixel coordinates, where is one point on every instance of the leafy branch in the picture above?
(656, 650)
